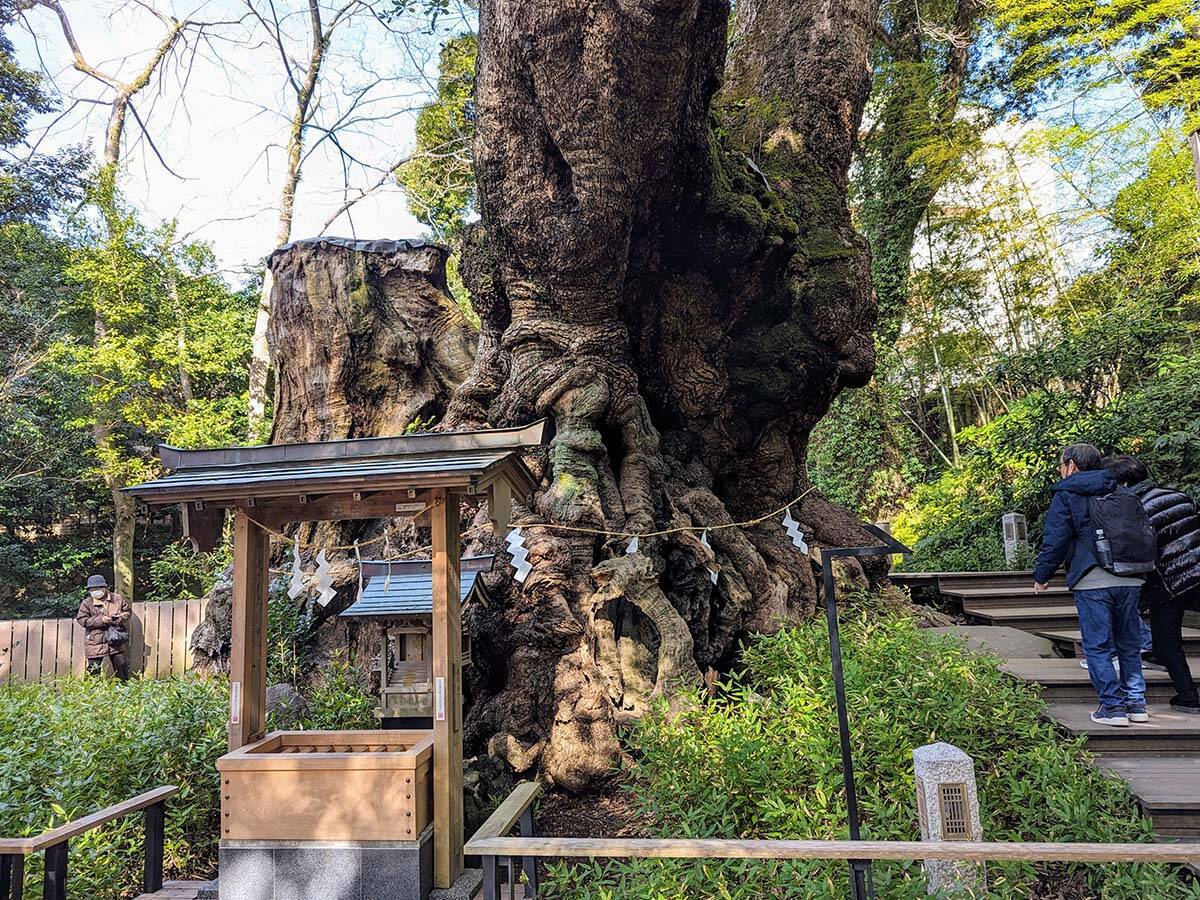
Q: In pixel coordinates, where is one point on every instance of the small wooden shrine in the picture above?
(398, 596)
(268, 488)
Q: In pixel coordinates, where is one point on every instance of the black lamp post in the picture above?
(862, 886)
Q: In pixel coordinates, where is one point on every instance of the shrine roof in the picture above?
(469, 460)
(405, 587)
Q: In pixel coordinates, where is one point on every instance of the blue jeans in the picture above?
(1147, 638)
(1109, 620)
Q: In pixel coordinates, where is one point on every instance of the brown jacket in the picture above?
(96, 616)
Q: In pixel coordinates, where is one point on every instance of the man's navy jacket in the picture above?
(1066, 536)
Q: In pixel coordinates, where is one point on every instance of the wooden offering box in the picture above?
(328, 786)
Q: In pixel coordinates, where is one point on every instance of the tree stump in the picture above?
(366, 341)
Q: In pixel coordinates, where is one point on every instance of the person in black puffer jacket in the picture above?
(1176, 586)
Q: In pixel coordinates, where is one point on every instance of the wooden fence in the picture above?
(159, 634)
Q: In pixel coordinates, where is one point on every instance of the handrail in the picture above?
(75, 827)
(492, 843)
(784, 849)
(517, 807)
(501, 822)
(56, 841)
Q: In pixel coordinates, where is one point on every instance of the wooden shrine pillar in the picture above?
(447, 691)
(248, 650)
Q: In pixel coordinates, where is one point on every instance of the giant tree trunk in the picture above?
(684, 300)
(366, 342)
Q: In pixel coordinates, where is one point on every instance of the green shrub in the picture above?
(289, 635)
(953, 523)
(77, 745)
(178, 572)
(338, 700)
(763, 761)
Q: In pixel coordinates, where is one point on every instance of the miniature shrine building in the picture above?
(351, 793)
(397, 595)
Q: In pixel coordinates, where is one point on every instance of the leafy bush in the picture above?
(338, 700)
(289, 635)
(763, 761)
(953, 523)
(77, 745)
(178, 572)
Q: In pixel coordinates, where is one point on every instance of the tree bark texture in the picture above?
(367, 342)
(665, 264)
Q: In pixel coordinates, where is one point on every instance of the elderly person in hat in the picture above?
(105, 619)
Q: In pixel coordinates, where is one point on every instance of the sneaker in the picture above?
(1115, 717)
(1116, 664)
(1191, 707)
(1137, 713)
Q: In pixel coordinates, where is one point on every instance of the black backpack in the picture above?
(1126, 543)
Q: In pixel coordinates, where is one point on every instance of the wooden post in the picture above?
(447, 692)
(248, 651)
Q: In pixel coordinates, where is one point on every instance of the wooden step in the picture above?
(1001, 597)
(1068, 640)
(926, 584)
(1029, 618)
(959, 581)
(1167, 731)
(1063, 680)
(1166, 786)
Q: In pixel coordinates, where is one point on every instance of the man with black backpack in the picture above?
(1101, 532)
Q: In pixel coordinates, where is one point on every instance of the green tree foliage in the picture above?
(168, 366)
(1082, 46)
(923, 66)
(170, 362)
(762, 761)
(438, 180)
(1114, 365)
(32, 185)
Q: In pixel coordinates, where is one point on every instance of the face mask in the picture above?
(97, 594)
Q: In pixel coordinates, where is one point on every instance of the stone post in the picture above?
(1016, 537)
(948, 808)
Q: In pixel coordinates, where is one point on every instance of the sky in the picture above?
(215, 115)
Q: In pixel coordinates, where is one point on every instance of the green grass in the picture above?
(763, 761)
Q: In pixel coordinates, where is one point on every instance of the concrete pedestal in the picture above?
(330, 870)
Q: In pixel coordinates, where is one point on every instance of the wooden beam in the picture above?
(202, 525)
(447, 692)
(500, 499)
(248, 650)
(501, 822)
(624, 848)
(278, 511)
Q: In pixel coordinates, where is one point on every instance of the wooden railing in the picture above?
(492, 841)
(516, 808)
(54, 844)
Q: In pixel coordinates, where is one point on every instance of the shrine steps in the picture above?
(1037, 636)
